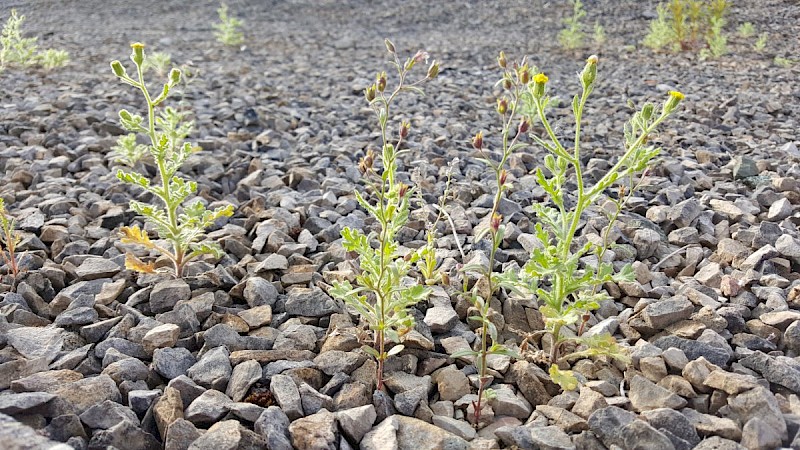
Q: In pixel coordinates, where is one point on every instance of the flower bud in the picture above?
(524, 74)
(389, 45)
(503, 177)
(539, 80)
(524, 125)
(380, 81)
(405, 127)
(118, 69)
(174, 76)
(589, 73)
(477, 141)
(137, 56)
(366, 162)
(502, 61)
(402, 190)
(421, 56)
(647, 111)
(507, 84)
(433, 70)
(672, 102)
(495, 221)
(369, 93)
(502, 105)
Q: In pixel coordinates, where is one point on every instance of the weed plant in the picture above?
(689, 25)
(566, 290)
(9, 239)
(746, 30)
(572, 35)
(17, 50)
(181, 226)
(761, 42)
(228, 29)
(160, 62)
(383, 293)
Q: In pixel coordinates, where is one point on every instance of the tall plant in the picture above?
(380, 296)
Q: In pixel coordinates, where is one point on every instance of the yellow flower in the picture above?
(678, 95)
(540, 78)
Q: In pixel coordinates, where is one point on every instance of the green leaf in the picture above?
(395, 350)
(564, 378)
(371, 351)
(463, 353)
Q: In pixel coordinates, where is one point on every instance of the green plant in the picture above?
(517, 76)
(746, 30)
(50, 58)
(599, 34)
(566, 289)
(425, 256)
(170, 123)
(17, 50)
(571, 37)
(160, 62)
(761, 42)
(784, 62)
(689, 25)
(228, 31)
(381, 296)
(8, 241)
(182, 227)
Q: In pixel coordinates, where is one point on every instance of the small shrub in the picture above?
(8, 241)
(181, 226)
(571, 37)
(228, 31)
(689, 25)
(746, 30)
(761, 42)
(599, 34)
(21, 51)
(784, 62)
(383, 293)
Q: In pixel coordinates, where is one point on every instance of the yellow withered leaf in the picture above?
(137, 265)
(135, 235)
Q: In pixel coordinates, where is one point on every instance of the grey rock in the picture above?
(260, 292)
(213, 370)
(189, 389)
(673, 421)
(180, 435)
(20, 403)
(36, 342)
(718, 443)
(759, 435)
(273, 261)
(93, 268)
(273, 426)
(317, 431)
(645, 395)
(76, 316)
(684, 213)
(124, 435)
(744, 167)
(441, 319)
(402, 432)
(107, 414)
(15, 435)
(167, 409)
(228, 435)
(208, 408)
(761, 403)
(128, 369)
(141, 400)
(694, 349)
(287, 395)
(166, 294)
(779, 370)
(312, 400)
(356, 422)
(244, 375)
(14, 370)
(87, 392)
(507, 403)
(459, 428)
(63, 427)
(788, 246)
(337, 361)
(406, 402)
(451, 383)
(609, 424)
(172, 362)
(161, 336)
(310, 303)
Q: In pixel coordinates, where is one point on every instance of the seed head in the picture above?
(380, 81)
(366, 162)
(502, 61)
(389, 46)
(433, 70)
(405, 127)
(503, 177)
(402, 190)
(502, 105)
(370, 93)
(524, 74)
(477, 141)
(524, 125)
(495, 221)
(589, 73)
(118, 69)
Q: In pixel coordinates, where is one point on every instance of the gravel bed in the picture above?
(250, 351)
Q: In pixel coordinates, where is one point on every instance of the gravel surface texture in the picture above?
(250, 351)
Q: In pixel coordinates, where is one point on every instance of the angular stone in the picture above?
(779, 370)
(87, 392)
(588, 402)
(208, 408)
(565, 420)
(758, 435)
(441, 319)
(107, 414)
(167, 409)
(96, 267)
(257, 316)
(228, 435)
(15, 435)
(708, 425)
(165, 335)
(127, 369)
(310, 303)
(213, 370)
(451, 383)
(761, 403)
(287, 395)
(506, 403)
(125, 435)
(356, 422)
(36, 342)
(273, 426)
(172, 362)
(730, 383)
(49, 381)
(645, 395)
(695, 349)
(675, 422)
(180, 435)
(402, 432)
(336, 361)
(244, 375)
(20, 403)
(523, 374)
(317, 431)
